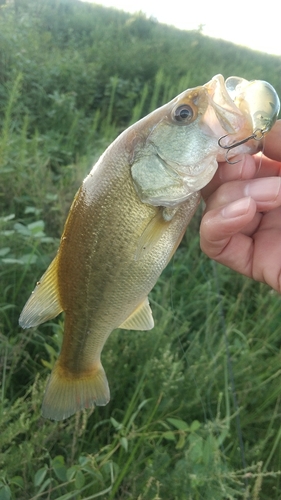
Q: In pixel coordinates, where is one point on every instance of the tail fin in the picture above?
(67, 393)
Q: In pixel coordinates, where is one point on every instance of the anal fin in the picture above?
(140, 319)
(43, 304)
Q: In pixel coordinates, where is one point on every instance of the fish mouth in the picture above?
(238, 108)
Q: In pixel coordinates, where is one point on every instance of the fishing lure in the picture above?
(257, 99)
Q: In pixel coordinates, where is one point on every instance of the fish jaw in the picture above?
(180, 157)
(223, 116)
(257, 103)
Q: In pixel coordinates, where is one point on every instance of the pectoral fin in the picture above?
(43, 304)
(140, 319)
(154, 231)
(151, 235)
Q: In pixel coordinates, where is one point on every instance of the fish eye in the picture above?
(183, 113)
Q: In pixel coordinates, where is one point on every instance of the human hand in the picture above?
(241, 226)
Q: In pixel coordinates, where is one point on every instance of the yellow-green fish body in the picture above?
(124, 225)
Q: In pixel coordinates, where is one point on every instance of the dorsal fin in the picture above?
(140, 319)
(43, 304)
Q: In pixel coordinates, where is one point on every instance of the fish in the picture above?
(126, 222)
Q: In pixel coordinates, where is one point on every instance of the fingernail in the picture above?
(236, 208)
(263, 189)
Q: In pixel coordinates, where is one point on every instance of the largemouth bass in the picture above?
(126, 222)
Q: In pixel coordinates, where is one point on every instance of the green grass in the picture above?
(195, 403)
(170, 430)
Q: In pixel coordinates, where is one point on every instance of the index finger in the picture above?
(263, 164)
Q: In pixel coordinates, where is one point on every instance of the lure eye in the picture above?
(184, 113)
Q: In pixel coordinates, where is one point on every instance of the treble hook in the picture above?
(257, 135)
